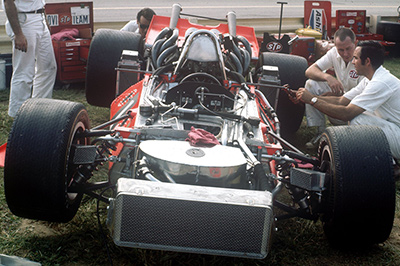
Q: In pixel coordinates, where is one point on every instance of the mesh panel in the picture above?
(192, 226)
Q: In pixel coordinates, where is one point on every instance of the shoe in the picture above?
(313, 143)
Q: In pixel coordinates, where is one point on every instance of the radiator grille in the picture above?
(191, 226)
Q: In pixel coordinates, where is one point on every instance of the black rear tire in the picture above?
(390, 30)
(105, 52)
(291, 71)
(360, 200)
(38, 169)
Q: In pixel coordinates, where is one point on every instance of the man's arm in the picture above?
(315, 73)
(12, 15)
(338, 107)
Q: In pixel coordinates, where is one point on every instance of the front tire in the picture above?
(38, 169)
(360, 200)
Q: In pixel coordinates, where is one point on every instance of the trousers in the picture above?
(34, 71)
(314, 117)
(391, 130)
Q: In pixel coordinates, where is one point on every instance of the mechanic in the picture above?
(33, 61)
(142, 22)
(374, 101)
(322, 83)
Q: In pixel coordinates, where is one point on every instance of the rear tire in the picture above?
(105, 52)
(390, 30)
(291, 71)
(38, 169)
(360, 200)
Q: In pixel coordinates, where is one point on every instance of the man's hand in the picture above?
(20, 42)
(335, 85)
(304, 95)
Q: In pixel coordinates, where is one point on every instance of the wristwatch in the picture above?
(314, 100)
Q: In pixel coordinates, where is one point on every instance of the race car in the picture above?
(196, 160)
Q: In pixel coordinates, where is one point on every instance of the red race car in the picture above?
(194, 148)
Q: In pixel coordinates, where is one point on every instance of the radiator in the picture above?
(189, 218)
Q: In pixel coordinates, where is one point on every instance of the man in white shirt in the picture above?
(142, 22)
(34, 64)
(375, 101)
(322, 83)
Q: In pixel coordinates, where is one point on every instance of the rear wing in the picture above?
(158, 23)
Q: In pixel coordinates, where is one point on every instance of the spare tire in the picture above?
(104, 53)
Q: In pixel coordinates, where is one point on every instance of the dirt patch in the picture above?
(37, 228)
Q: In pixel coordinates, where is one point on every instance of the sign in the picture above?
(317, 15)
(80, 16)
(77, 16)
(274, 47)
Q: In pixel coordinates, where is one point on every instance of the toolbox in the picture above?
(353, 19)
(71, 53)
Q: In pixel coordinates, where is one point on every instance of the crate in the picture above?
(71, 55)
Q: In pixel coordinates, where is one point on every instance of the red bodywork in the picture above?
(159, 22)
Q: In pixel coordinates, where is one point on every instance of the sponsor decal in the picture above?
(318, 19)
(52, 19)
(80, 16)
(351, 21)
(215, 172)
(274, 47)
(353, 74)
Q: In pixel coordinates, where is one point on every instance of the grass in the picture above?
(297, 241)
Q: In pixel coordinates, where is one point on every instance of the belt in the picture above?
(39, 11)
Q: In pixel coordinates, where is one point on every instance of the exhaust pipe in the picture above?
(176, 11)
(232, 23)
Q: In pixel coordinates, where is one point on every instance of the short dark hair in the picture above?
(343, 33)
(374, 51)
(147, 13)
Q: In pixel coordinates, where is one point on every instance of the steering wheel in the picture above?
(201, 77)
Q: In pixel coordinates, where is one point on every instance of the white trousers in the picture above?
(34, 72)
(391, 130)
(314, 117)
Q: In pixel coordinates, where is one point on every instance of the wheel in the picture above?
(104, 53)
(291, 71)
(38, 170)
(359, 203)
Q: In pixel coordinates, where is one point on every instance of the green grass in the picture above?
(297, 241)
